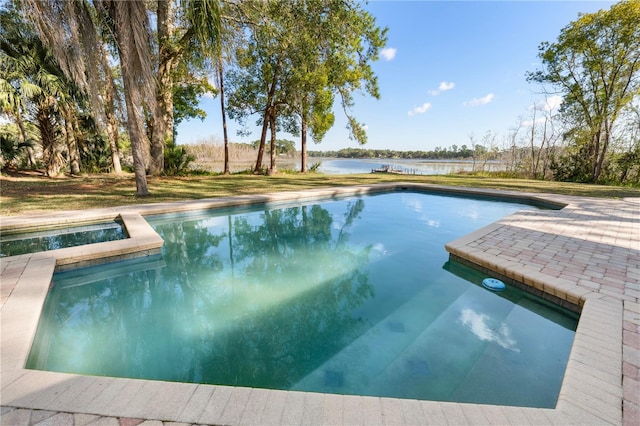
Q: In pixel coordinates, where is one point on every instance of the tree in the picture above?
(15, 87)
(130, 26)
(196, 39)
(223, 112)
(336, 43)
(32, 84)
(296, 58)
(71, 30)
(595, 65)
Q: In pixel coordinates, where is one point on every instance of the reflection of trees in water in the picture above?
(182, 295)
(53, 240)
(174, 323)
(136, 320)
(279, 346)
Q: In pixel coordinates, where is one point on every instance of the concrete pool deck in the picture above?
(585, 255)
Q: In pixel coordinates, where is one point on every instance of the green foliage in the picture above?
(595, 65)
(283, 146)
(11, 149)
(573, 165)
(451, 153)
(176, 159)
(186, 98)
(288, 171)
(315, 166)
(95, 155)
(204, 22)
(623, 168)
(296, 57)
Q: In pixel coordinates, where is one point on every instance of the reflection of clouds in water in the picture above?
(412, 202)
(477, 323)
(379, 248)
(472, 213)
(415, 204)
(214, 222)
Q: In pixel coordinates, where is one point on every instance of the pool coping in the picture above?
(594, 389)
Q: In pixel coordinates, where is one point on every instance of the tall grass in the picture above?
(209, 156)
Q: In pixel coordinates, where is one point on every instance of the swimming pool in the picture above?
(13, 244)
(353, 296)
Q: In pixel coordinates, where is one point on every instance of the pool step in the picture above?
(355, 369)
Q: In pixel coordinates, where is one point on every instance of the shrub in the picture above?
(176, 160)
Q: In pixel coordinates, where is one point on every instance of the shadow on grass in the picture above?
(38, 194)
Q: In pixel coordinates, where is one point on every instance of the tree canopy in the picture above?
(295, 57)
(595, 66)
(139, 67)
(100, 85)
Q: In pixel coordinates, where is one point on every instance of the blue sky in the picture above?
(450, 69)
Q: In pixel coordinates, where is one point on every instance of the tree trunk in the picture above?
(601, 152)
(272, 125)
(224, 118)
(31, 160)
(72, 145)
(111, 122)
(52, 154)
(138, 81)
(163, 115)
(303, 144)
(137, 149)
(265, 122)
(263, 138)
(532, 140)
(156, 160)
(112, 136)
(138, 139)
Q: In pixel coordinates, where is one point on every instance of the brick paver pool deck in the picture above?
(585, 255)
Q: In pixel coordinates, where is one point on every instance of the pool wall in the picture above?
(592, 389)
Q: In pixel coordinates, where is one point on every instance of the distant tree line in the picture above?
(450, 153)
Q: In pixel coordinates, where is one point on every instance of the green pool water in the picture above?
(350, 296)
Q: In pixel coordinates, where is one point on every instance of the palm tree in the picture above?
(77, 45)
(131, 28)
(32, 83)
(70, 30)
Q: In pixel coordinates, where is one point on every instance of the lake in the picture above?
(335, 166)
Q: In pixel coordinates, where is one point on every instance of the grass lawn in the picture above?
(31, 193)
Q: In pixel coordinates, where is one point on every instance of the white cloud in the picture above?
(553, 102)
(442, 87)
(4, 119)
(420, 110)
(550, 104)
(546, 107)
(480, 101)
(388, 53)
